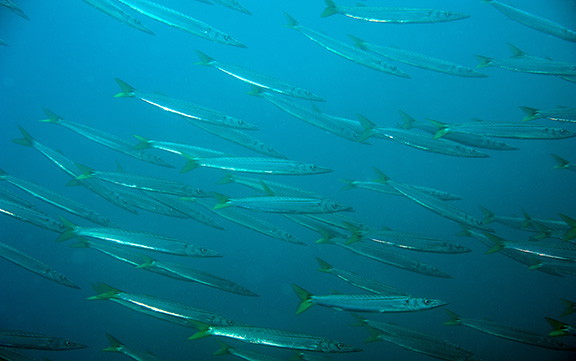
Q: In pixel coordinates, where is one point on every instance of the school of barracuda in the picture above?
(545, 245)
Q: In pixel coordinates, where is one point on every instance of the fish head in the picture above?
(201, 252)
(325, 345)
(427, 303)
(223, 38)
(63, 344)
(558, 133)
(450, 16)
(332, 206)
(313, 169)
(306, 94)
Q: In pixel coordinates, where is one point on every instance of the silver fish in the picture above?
(117, 346)
(30, 216)
(244, 354)
(178, 148)
(562, 163)
(185, 208)
(560, 114)
(504, 130)
(280, 189)
(9, 4)
(36, 341)
(109, 8)
(255, 165)
(278, 204)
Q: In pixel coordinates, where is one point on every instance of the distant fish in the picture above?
(564, 251)
(186, 208)
(13, 354)
(25, 261)
(415, 341)
(273, 337)
(391, 15)
(258, 79)
(504, 130)
(178, 148)
(3, 43)
(30, 215)
(560, 114)
(562, 163)
(182, 107)
(56, 199)
(418, 60)
(274, 166)
(36, 341)
(346, 51)
(232, 4)
(570, 307)
(508, 332)
(137, 239)
(166, 310)
(137, 199)
(181, 21)
(108, 7)
(529, 64)
(243, 354)
(533, 21)
(9, 196)
(117, 346)
(9, 4)
(364, 302)
(469, 139)
(106, 139)
(259, 184)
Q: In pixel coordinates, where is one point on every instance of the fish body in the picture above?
(365, 302)
(187, 209)
(560, 114)
(529, 64)
(279, 204)
(179, 148)
(505, 130)
(109, 8)
(166, 310)
(258, 79)
(183, 108)
(106, 139)
(29, 215)
(419, 60)
(533, 21)
(143, 201)
(276, 338)
(56, 199)
(391, 15)
(347, 51)
(244, 354)
(382, 187)
(181, 21)
(25, 261)
(117, 346)
(36, 341)
(256, 165)
(234, 5)
(10, 5)
(563, 251)
(508, 332)
(279, 189)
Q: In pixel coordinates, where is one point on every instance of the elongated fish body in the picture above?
(179, 148)
(360, 281)
(109, 8)
(31, 216)
(181, 21)
(562, 163)
(244, 354)
(137, 239)
(106, 139)
(234, 5)
(23, 260)
(57, 200)
(365, 302)
(391, 15)
(565, 251)
(238, 137)
(342, 127)
(143, 201)
(117, 346)
(9, 4)
(533, 21)
(182, 107)
(472, 140)
(508, 332)
(146, 183)
(337, 220)
(560, 114)
(276, 338)
(12, 354)
(378, 186)
(347, 51)
(418, 341)
(246, 220)
(411, 241)
(279, 189)
(163, 309)
(69, 167)
(36, 341)
(277, 204)
(528, 64)
(419, 60)
(258, 79)
(7, 195)
(186, 208)
(199, 276)
(428, 143)
(256, 165)
(439, 207)
(506, 130)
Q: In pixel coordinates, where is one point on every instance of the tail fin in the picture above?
(127, 90)
(408, 120)
(255, 91)
(465, 232)
(222, 200)
(358, 42)
(27, 140)
(203, 329)
(144, 143)
(204, 59)
(380, 177)
(454, 319)
(488, 215)
(324, 266)
(115, 344)
(292, 23)
(306, 298)
(562, 163)
(571, 234)
(87, 172)
(228, 178)
(498, 243)
(484, 61)
(52, 117)
(330, 9)
(368, 126)
(350, 184)
(374, 335)
(224, 349)
(531, 114)
(148, 262)
(527, 219)
(442, 128)
(570, 307)
(560, 328)
(69, 233)
(104, 291)
(515, 51)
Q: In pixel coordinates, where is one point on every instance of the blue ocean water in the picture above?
(66, 58)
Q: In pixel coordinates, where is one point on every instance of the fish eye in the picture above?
(203, 250)
(68, 343)
(313, 167)
(427, 301)
(563, 131)
(339, 346)
(334, 205)
(230, 322)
